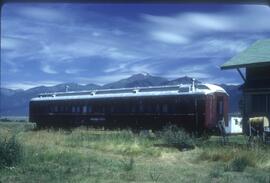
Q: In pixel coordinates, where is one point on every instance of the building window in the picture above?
(268, 102)
(236, 122)
(259, 103)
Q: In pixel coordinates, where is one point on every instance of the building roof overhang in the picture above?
(257, 55)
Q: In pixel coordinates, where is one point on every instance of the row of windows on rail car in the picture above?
(164, 108)
(115, 108)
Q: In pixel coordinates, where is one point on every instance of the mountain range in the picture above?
(15, 102)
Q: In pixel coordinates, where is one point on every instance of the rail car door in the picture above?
(220, 108)
(199, 114)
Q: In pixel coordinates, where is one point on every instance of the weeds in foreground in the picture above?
(175, 136)
(155, 175)
(217, 171)
(128, 164)
(239, 163)
(91, 155)
(10, 152)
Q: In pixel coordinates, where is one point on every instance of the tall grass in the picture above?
(123, 142)
(96, 155)
(10, 152)
(178, 137)
(236, 157)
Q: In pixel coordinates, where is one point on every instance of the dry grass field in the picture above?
(92, 155)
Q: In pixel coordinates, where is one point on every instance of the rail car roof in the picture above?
(132, 92)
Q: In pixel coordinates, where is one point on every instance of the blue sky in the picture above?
(48, 44)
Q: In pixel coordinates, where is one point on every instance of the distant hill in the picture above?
(182, 80)
(15, 102)
(137, 80)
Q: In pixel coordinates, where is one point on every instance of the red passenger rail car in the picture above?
(197, 108)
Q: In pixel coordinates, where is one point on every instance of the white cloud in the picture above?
(9, 43)
(103, 79)
(130, 68)
(214, 47)
(129, 48)
(196, 71)
(115, 67)
(43, 14)
(233, 46)
(47, 69)
(18, 44)
(191, 25)
(96, 34)
(168, 37)
(73, 71)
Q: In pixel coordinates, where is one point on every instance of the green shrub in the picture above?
(172, 135)
(128, 164)
(10, 152)
(216, 155)
(155, 175)
(239, 163)
(217, 171)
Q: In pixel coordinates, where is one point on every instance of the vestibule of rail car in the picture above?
(220, 108)
(216, 109)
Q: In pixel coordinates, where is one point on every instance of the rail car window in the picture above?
(149, 108)
(133, 108)
(157, 108)
(55, 108)
(89, 108)
(141, 108)
(185, 105)
(103, 109)
(78, 109)
(51, 109)
(112, 109)
(84, 109)
(73, 109)
(172, 109)
(165, 108)
(61, 108)
(66, 109)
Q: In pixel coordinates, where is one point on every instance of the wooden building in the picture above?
(256, 87)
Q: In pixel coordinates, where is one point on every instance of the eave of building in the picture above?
(263, 90)
(257, 55)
